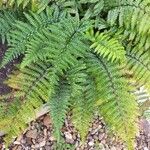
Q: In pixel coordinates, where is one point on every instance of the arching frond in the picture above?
(68, 33)
(7, 19)
(36, 83)
(114, 105)
(26, 31)
(59, 105)
(106, 46)
(35, 5)
(139, 64)
(133, 16)
(82, 99)
(70, 66)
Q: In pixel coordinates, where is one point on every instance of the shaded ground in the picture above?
(39, 133)
(4, 72)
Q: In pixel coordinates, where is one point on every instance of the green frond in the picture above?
(36, 83)
(26, 31)
(106, 46)
(133, 16)
(68, 33)
(58, 106)
(115, 101)
(35, 5)
(7, 19)
(82, 98)
(139, 64)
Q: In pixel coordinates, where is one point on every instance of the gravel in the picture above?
(38, 136)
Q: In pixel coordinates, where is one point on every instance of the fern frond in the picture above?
(37, 83)
(58, 106)
(60, 67)
(116, 100)
(35, 5)
(24, 32)
(7, 19)
(133, 16)
(139, 64)
(106, 46)
(83, 99)
(68, 33)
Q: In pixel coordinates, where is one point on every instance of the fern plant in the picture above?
(77, 56)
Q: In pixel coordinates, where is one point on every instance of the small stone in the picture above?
(48, 143)
(47, 148)
(32, 134)
(91, 143)
(51, 138)
(32, 146)
(93, 132)
(29, 141)
(74, 136)
(2, 133)
(95, 137)
(17, 143)
(47, 121)
(40, 139)
(41, 144)
(69, 138)
(23, 141)
(33, 141)
(103, 141)
(17, 148)
(95, 126)
(101, 136)
(36, 145)
(112, 148)
(145, 148)
(19, 138)
(45, 132)
(106, 147)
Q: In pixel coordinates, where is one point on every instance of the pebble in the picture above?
(32, 133)
(2, 133)
(41, 144)
(17, 148)
(91, 143)
(101, 136)
(112, 148)
(47, 121)
(51, 138)
(68, 137)
(17, 143)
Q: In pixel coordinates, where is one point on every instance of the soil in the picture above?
(5, 71)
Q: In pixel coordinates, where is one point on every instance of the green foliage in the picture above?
(34, 5)
(76, 56)
(7, 19)
(107, 46)
(32, 86)
(58, 107)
